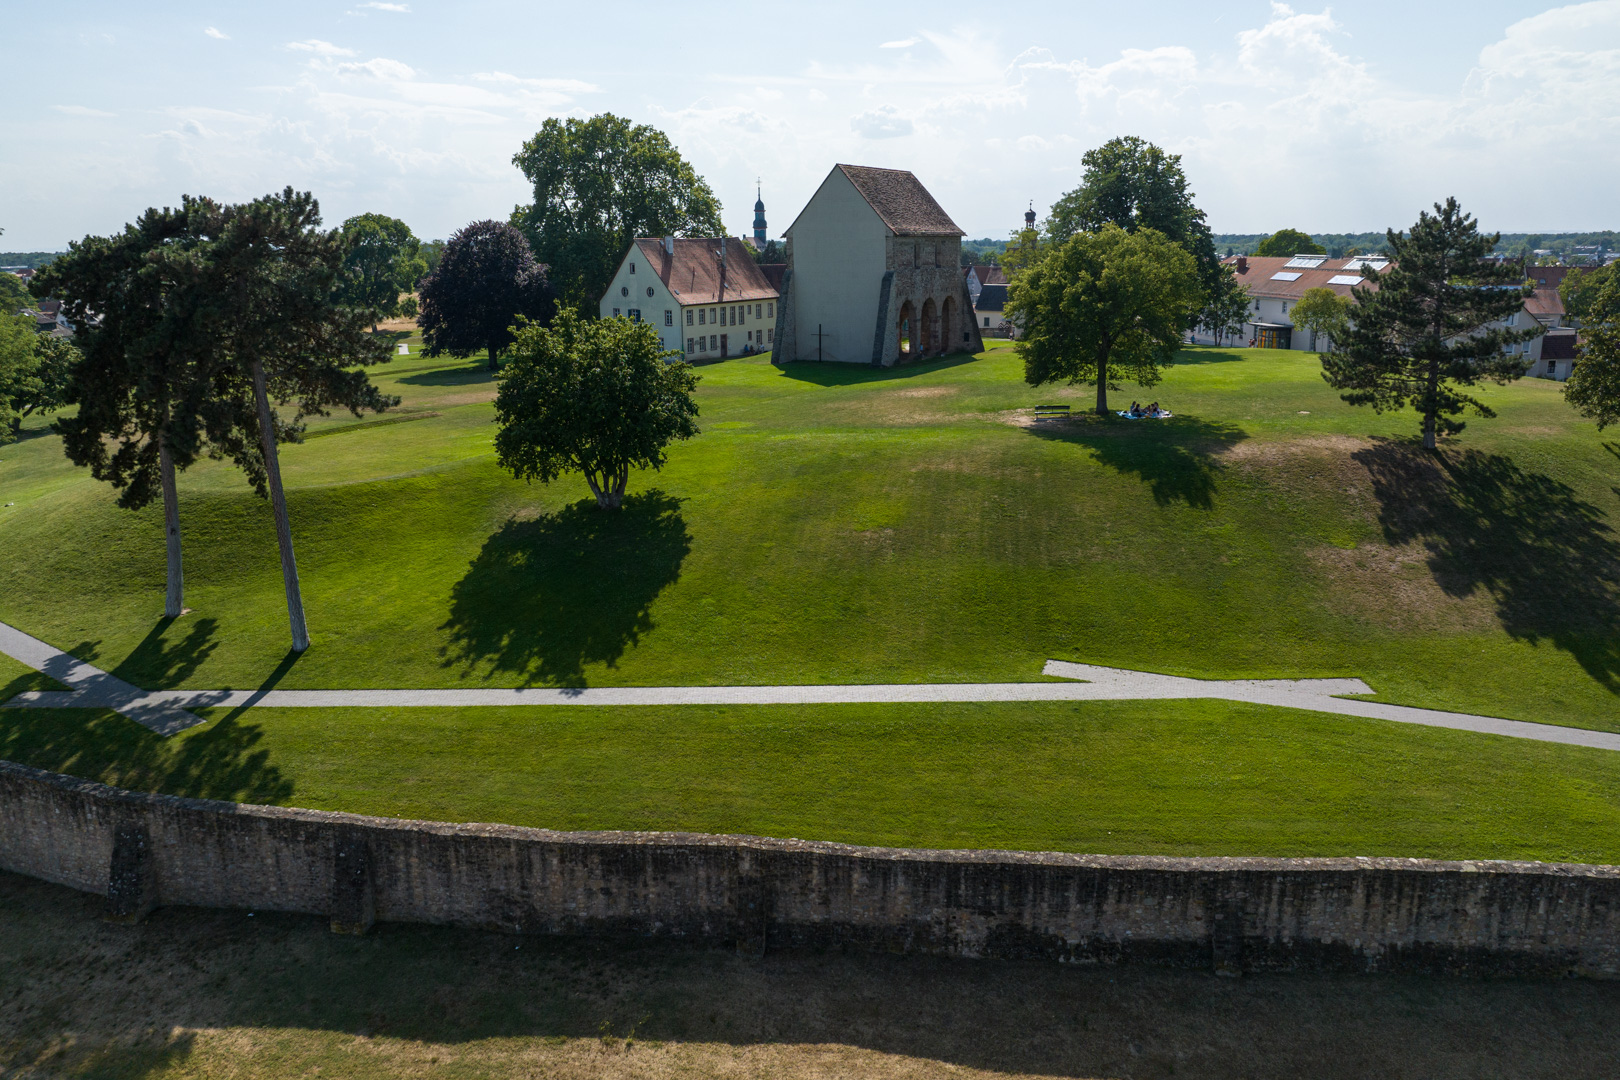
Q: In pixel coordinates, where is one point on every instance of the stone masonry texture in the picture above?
(1236, 914)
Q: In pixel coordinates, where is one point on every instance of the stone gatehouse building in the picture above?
(873, 274)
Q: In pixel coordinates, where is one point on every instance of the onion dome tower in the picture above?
(1029, 215)
(759, 220)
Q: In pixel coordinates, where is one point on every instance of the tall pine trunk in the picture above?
(278, 502)
(1430, 406)
(174, 596)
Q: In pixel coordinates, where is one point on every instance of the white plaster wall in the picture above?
(737, 339)
(652, 308)
(838, 265)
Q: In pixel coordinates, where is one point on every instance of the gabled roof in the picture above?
(1558, 345)
(1545, 303)
(1260, 275)
(990, 275)
(901, 201)
(692, 273)
(991, 298)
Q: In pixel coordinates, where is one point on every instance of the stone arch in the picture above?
(948, 329)
(930, 328)
(908, 330)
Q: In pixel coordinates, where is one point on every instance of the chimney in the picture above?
(669, 245)
(1243, 264)
(722, 267)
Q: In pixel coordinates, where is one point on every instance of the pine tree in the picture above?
(1432, 327)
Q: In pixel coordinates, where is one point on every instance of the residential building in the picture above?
(1276, 284)
(706, 302)
(874, 274)
(980, 276)
(988, 312)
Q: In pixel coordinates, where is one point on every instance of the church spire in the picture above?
(759, 216)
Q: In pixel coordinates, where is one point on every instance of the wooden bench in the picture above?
(1051, 412)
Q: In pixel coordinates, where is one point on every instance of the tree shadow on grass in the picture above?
(159, 664)
(219, 761)
(545, 598)
(1177, 458)
(1550, 561)
(830, 373)
(1208, 354)
(474, 373)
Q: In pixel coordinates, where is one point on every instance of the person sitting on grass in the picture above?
(1135, 409)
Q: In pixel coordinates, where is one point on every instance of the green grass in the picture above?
(839, 524)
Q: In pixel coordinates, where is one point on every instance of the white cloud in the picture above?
(883, 122)
(904, 43)
(215, 32)
(381, 68)
(319, 48)
(80, 110)
(563, 86)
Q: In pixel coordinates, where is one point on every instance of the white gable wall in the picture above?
(652, 308)
(838, 265)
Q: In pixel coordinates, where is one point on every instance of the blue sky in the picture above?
(1340, 118)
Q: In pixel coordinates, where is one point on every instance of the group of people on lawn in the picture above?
(1138, 411)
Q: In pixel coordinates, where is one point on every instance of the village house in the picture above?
(874, 274)
(707, 299)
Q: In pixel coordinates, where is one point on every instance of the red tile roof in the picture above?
(1258, 274)
(692, 274)
(989, 275)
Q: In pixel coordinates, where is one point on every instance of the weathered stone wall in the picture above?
(1360, 914)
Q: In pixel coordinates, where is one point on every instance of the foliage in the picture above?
(1594, 386)
(45, 388)
(18, 363)
(1289, 242)
(1580, 290)
(1104, 304)
(598, 396)
(431, 251)
(1226, 307)
(1134, 184)
(1323, 312)
(1427, 329)
(384, 260)
(486, 281)
(1024, 250)
(598, 184)
(409, 308)
(774, 251)
(14, 295)
(31, 259)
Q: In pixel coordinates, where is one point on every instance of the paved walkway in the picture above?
(164, 711)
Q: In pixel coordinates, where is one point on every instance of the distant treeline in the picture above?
(1341, 244)
(27, 258)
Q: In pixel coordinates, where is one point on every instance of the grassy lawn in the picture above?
(199, 994)
(839, 524)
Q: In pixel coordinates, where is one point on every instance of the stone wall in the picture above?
(1236, 914)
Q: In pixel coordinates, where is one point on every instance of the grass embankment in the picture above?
(836, 524)
(209, 994)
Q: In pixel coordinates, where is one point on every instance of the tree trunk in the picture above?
(278, 502)
(1102, 386)
(1429, 406)
(493, 365)
(174, 597)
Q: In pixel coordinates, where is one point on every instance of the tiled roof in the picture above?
(990, 275)
(901, 201)
(1259, 276)
(1545, 303)
(1558, 345)
(991, 298)
(693, 272)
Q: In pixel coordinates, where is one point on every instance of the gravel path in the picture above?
(165, 711)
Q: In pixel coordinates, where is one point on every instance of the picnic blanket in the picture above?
(1161, 415)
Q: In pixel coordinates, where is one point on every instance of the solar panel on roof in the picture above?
(1284, 275)
(1345, 279)
(1307, 262)
(1377, 262)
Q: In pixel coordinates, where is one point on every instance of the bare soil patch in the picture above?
(192, 993)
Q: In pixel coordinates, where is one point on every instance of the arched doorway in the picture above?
(908, 330)
(948, 330)
(929, 328)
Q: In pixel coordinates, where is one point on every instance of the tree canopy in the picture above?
(384, 260)
(1225, 307)
(1323, 312)
(1104, 305)
(486, 280)
(17, 364)
(597, 396)
(598, 184)
(1432, 325)
(1594, 386)
(1289, 242)
(1131, 183)
(14, 295)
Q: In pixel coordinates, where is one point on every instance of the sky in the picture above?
(1339, 118)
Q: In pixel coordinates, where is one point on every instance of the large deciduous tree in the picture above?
(1104, 305)
(486, 280)
(1225, 307)
(598, 184)
(1134, 184)
(600, 397)
(1323, 312)
(1594, 386)
(1289, 242)
(17, 364)
(1432, 327)
(384, 260)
